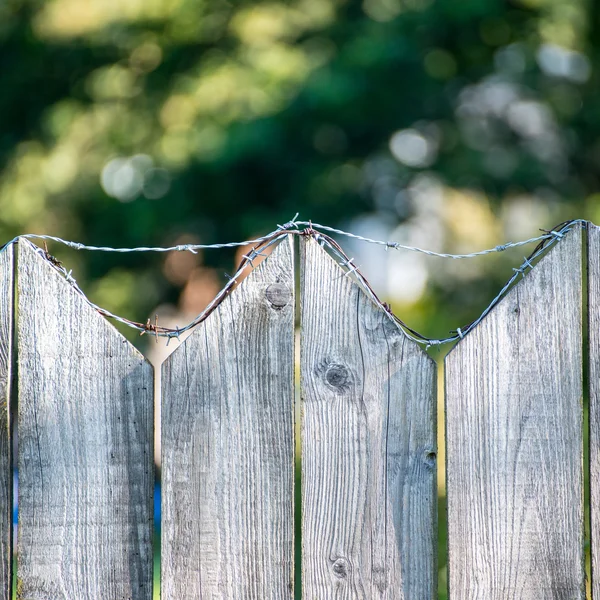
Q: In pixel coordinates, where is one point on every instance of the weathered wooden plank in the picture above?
(228, 446)
(593, 266)
(368, 445)
(6, 318)
(514, 441)
(85, 426)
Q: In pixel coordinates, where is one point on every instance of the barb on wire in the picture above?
(316, 231)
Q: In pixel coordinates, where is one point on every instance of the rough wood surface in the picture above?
(368, 445)
(6, 316)
(85, 426)
(228, 446)
(514, 441)
(594, 389)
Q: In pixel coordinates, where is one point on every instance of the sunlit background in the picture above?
(450, 125)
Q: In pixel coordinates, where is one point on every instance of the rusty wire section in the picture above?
(314, 231)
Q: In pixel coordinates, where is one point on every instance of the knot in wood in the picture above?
(337, 376)
(278, 295)
(430, 458)
(341, 568)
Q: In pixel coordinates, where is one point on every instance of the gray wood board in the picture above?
(6, 318)
(85, 426)
(594, 389)
(368, 445)
(228, 445)
(514, 441)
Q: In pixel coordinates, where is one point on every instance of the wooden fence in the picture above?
(514, 431)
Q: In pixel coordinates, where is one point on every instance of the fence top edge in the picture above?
(293, 227)
(545, 241)
(28, 251)
(519, 278)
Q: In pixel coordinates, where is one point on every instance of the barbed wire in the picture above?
(315, 231)
(293, 223)
(399, 246)
(193, 248)
(546, 241)
(154, 328)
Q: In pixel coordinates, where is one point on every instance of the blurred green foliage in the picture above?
(139, 122)
(450, 125)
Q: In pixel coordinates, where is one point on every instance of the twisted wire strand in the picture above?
(260, 244)
(293, 223)
(154, 328)
(399, 246)
(545, 242)
(193, 248)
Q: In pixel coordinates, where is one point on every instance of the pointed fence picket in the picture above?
(85, 425)
(514, 434)
(228, 446)
(6, 319)
(593, 256)
(368, 444)
(514, 424)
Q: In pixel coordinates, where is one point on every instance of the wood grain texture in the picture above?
(594, 390)
(368, 445)
(85, 426)
(514, 441)
(6, 340)
(228, 446)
